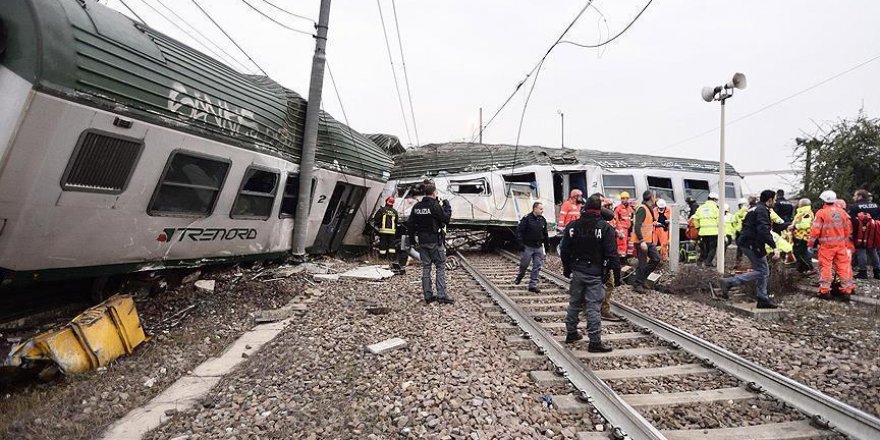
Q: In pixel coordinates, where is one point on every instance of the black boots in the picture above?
(725, 288)
(517, 280)
(862, 275)
(876, 274)
(573, 337)
(446, 301)
(598, 347)
(767, 305)
(534, 290)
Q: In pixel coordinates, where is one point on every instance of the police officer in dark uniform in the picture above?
(425, 226)
(589, 254)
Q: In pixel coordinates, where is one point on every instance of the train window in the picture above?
(663, 187)
(291, 196)
(256, 196)
(527, 178)
(413, 189)
(614, 184)
(190, 185)
(729, 190)
(476, 186)
(101, 163)
(698, 189)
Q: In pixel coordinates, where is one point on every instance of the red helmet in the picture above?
(389, 201)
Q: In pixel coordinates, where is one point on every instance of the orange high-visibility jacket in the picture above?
(831, 227)
(623, 216)
(568, 212)
(648, 225)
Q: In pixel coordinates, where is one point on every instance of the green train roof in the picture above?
(83, 51)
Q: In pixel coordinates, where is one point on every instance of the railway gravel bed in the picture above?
(673, 384)
(457, 377)
(721, 414)
(81, 406)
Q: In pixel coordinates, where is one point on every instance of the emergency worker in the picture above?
(729, 228)
(588, 254)
(623, 221)
(662, 230)
(800, 230)
(784, 208)
(832, 232)
(611, 274)
(754, 240)
(744, 205)
(570, 209)
(707, 221)
(385, 222)
(864, 213)
(644, 238)
(425, 226)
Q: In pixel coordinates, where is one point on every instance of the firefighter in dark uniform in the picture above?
(385, 221)
(589, 255)
(426, 226)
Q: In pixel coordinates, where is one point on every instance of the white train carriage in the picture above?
(123, 150)
(493, 186)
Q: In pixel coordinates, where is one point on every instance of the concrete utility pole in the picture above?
(310, 136)
(481, 125)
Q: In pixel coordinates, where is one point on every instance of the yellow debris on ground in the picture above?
(91, 340)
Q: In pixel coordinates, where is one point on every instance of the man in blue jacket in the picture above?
(533, 237)
(754, 239)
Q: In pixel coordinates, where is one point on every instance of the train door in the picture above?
(341, 209)
(565, 181)
(523, 190)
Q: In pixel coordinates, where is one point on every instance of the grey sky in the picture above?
(638, 94)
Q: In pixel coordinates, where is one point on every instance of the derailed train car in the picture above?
(124, 150)
(493, 186)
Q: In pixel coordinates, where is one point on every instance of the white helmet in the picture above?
(743, 201)
(713, 195)
(726, 207)
(828, 196)
(661, 203)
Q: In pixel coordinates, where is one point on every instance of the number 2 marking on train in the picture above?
(321, 199)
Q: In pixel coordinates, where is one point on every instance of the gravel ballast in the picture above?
(456, 378)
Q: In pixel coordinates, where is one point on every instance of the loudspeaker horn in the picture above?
(708, 93)
(738, 81)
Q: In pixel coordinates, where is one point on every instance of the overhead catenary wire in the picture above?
(394, 72)
(174, 23)
(302, 17)
(632, 22)
(292, 29)
(132, 11)
(412, 111)
(773, 104)
(229, 37)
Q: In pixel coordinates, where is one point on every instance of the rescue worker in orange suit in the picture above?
(570, 209)
(385, 220)
(662, 229)
(645, 240)
(863, 213)
(615, 274)
(832, 232)
(623, 221)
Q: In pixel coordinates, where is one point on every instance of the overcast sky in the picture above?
(639, 94)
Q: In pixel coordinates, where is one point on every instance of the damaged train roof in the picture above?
(465, 157)
(88, 53)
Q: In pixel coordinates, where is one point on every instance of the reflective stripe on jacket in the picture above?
(707, 218)
(386, 220)
(803, 221)
(831, 227)
(647, 226)
(568, 212)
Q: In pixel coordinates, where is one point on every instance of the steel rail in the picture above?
(616, 411)
(840, 416)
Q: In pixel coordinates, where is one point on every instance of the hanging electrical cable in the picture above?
(302, 17)
(132, 11)
(229, 56)
(394, 73)
(412, 111)
(187, 33)
(229, 37)
(274, 20)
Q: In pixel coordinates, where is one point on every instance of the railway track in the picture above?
(660, 382)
